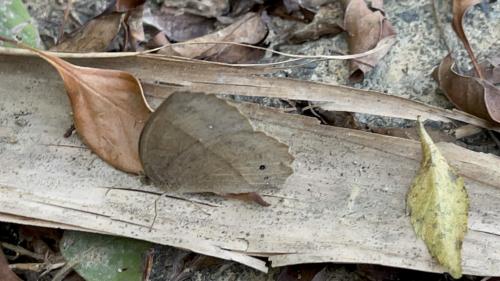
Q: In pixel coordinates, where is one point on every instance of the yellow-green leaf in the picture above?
(438, 205)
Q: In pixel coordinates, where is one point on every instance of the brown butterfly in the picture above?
(198, 143)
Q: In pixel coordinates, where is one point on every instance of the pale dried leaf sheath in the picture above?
(438, 205)
(200, 143)
(109, 111)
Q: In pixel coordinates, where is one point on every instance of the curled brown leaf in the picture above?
(470, 94)
(250, 29)
(366, 30)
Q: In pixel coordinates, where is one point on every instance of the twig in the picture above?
(338, 57)
(34, 267)
(22, 251)
(64, 271)
(310, 107)
(51, 267)
(181, 59)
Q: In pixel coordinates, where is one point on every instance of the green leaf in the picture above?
(105, 258)
(438, 205)
(16, 22)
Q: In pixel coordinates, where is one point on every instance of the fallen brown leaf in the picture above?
(178, 26)
(460, 8)
(249, 30)
(196, 143)
(109, 111)
(98, 33)
(366, 29)
(325, 22)
(94, 36)
(5, 273)
(470, 94)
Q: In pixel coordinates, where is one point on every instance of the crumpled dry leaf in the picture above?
(470, 94)
(196, 143)
(5, 273)
(250, 29)
(460, 8)
(98, 33)
(438, 206)
(205, 8)
(325, 22)
(366, 30)
(94, 36)
(109, 111)
(177, 26)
